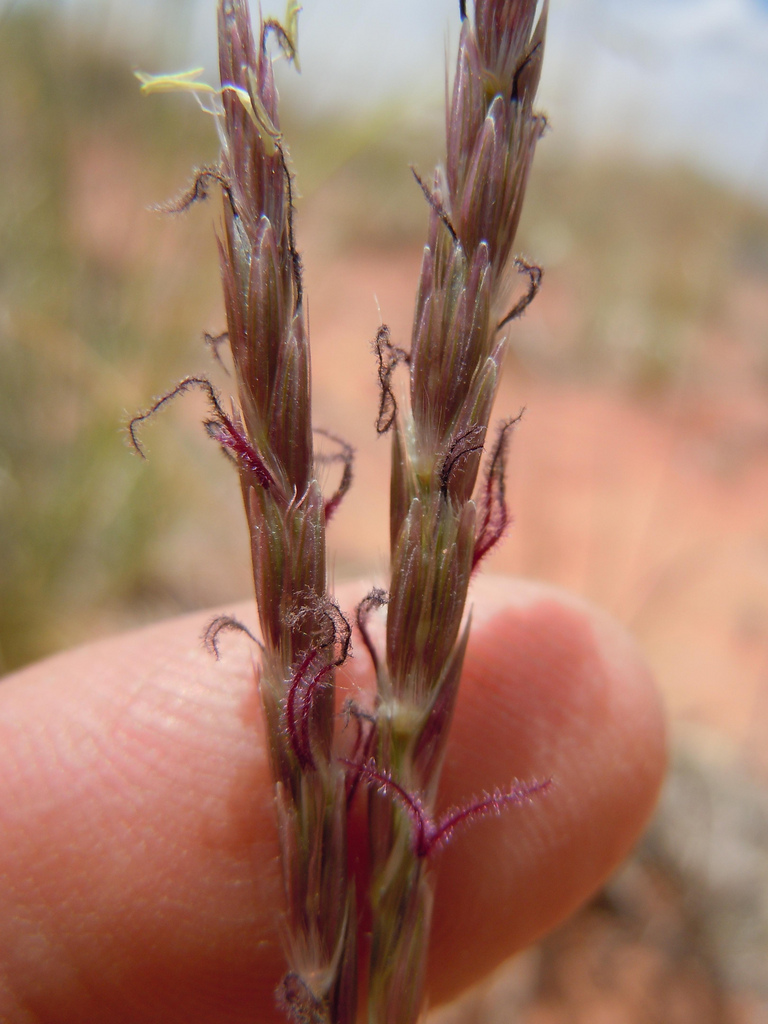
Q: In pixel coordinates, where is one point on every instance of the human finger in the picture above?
(139, 877)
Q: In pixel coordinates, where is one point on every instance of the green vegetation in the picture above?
(84, 331)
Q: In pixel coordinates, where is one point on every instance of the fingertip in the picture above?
(140, 877)
(552, 689)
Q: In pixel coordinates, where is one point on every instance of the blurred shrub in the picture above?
(96, 312)
(642, 257)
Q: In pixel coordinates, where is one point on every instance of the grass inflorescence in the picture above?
(439, 529)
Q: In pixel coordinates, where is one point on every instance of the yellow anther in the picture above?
(177, 81)
(291, 29)
(186, 81)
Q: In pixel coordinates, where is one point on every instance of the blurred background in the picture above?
(639, 475)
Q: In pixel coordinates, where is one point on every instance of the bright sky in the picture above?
(669, 78)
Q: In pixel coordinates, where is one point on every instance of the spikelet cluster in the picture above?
(442, 523)
(438, 532)
(304, 634)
